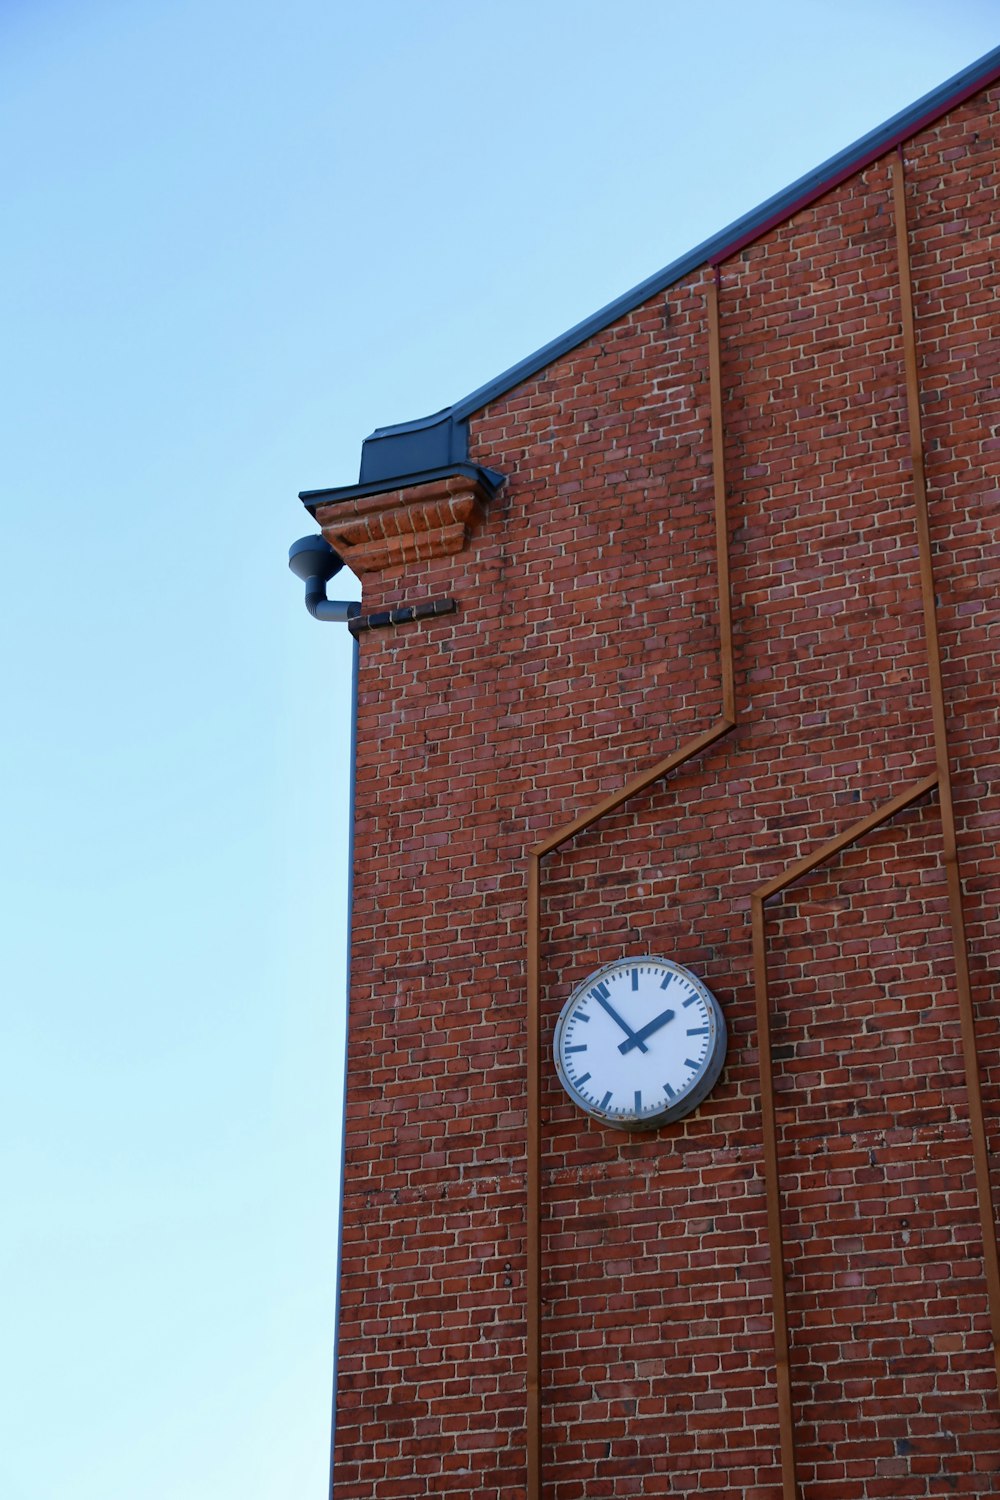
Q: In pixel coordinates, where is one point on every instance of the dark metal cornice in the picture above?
(490, 480)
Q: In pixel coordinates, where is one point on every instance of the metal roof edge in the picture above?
(490, 479)
(446, 428)
(744, 230)
(414, 423)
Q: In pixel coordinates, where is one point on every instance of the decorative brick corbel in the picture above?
(424, 519)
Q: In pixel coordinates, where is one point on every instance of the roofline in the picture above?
(490, 480)
(445, 431)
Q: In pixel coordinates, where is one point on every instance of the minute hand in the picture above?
(634, 1037)
(637, 1038)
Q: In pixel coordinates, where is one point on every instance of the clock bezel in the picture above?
(703, 1083)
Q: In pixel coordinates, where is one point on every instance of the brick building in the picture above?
(680, 639)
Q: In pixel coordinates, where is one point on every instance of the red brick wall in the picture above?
(585, 646)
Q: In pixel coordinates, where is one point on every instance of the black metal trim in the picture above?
(402, 615)
(443, 437)
(490, 479)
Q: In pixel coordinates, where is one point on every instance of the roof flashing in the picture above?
(442, 439)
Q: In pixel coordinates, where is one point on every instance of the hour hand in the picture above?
(634, 1037)
(637, 1038)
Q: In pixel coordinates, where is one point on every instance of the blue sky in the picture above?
(237, 238)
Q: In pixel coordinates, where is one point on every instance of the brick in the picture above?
(584, 646)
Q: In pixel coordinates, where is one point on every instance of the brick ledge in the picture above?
(418, 521)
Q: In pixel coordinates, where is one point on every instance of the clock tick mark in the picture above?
(580, 1047)
(668, 1091)
(606, 1100)
(697, 1031)
(638, 1101)
(635, 979)
(691, 1001)
(582, 1080)
(687, 1063)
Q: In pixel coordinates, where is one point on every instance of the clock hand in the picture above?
(637, 1038)
(634, 1040)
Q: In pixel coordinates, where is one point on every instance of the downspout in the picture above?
(314, 561)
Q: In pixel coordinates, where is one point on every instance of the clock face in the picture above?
(640, 1043)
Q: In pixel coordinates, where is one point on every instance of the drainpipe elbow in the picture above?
(322, 608)
(313, 560)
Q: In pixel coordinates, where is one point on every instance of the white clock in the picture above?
(640, 1043)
